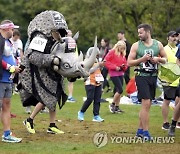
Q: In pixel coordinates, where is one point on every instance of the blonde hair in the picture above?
(122, 44)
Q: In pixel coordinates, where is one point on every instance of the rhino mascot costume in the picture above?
(47, 61)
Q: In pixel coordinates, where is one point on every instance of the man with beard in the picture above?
(145, 54)
(170, 92)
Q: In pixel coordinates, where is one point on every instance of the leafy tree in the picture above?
(103, 18)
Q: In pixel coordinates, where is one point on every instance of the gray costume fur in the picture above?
(38, 64)
(42, 78)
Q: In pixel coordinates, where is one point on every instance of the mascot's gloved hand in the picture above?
(56, 63)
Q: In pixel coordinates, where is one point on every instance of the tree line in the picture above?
(103, 18)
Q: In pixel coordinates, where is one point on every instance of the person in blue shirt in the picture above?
(8, 69)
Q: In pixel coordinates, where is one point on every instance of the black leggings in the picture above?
(118, 83)
(93, 95)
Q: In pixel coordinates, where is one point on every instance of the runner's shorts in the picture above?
(146, 86)
(170, 93)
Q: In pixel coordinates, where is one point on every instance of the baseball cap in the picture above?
(8, 25)
(172, 33)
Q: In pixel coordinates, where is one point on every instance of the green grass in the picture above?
(79, 135)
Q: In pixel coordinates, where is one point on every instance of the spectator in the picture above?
(116, 63)
(169, 91)
(17, 43)
(93, 90)
(178, 45)
(104, 49)
(121, 36)
(177, 107)
(72, 43)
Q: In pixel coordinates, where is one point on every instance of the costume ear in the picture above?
(76, 36)
(58, 49)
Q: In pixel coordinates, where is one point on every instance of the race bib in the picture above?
(38, 44)
(71, 43)
(99, 78)
(149, 66)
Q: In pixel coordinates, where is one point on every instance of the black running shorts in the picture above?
(170, 93)
(146, 86)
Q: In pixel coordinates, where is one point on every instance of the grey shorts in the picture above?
(5, 90)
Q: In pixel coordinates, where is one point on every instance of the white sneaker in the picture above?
(97, 119)
(11, 139)
(71, 100)
(178, 125)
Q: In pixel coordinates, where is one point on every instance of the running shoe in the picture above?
(171, 131)
(54, 130)
(112, 108)
(166, 126)
(29, 126)
(11, 139)
(80, 116)
(97, 119)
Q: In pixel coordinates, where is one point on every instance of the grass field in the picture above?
(78, 137)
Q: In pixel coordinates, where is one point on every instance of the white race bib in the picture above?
(71, 43)
(99, 78)
(38, 44)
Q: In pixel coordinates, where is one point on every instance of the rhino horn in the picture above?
(76, 36)
(88, 62)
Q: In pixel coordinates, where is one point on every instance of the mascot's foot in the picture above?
(54, 130)
(29, 126)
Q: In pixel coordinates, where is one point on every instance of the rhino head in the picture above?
(73, 66)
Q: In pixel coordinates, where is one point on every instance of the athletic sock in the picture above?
(52, 125)
(30, 120)
(140, 130)
(174, 123)
(113, 103)
(7, 133)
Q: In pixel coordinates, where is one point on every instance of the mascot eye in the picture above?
(66, 65)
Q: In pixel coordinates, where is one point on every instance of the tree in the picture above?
(103, 18)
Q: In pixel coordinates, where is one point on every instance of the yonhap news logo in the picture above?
(101, 139)
(136, 140)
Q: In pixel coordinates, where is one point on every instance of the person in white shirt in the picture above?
(17, 43)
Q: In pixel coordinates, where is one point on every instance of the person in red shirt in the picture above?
(116, 63)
